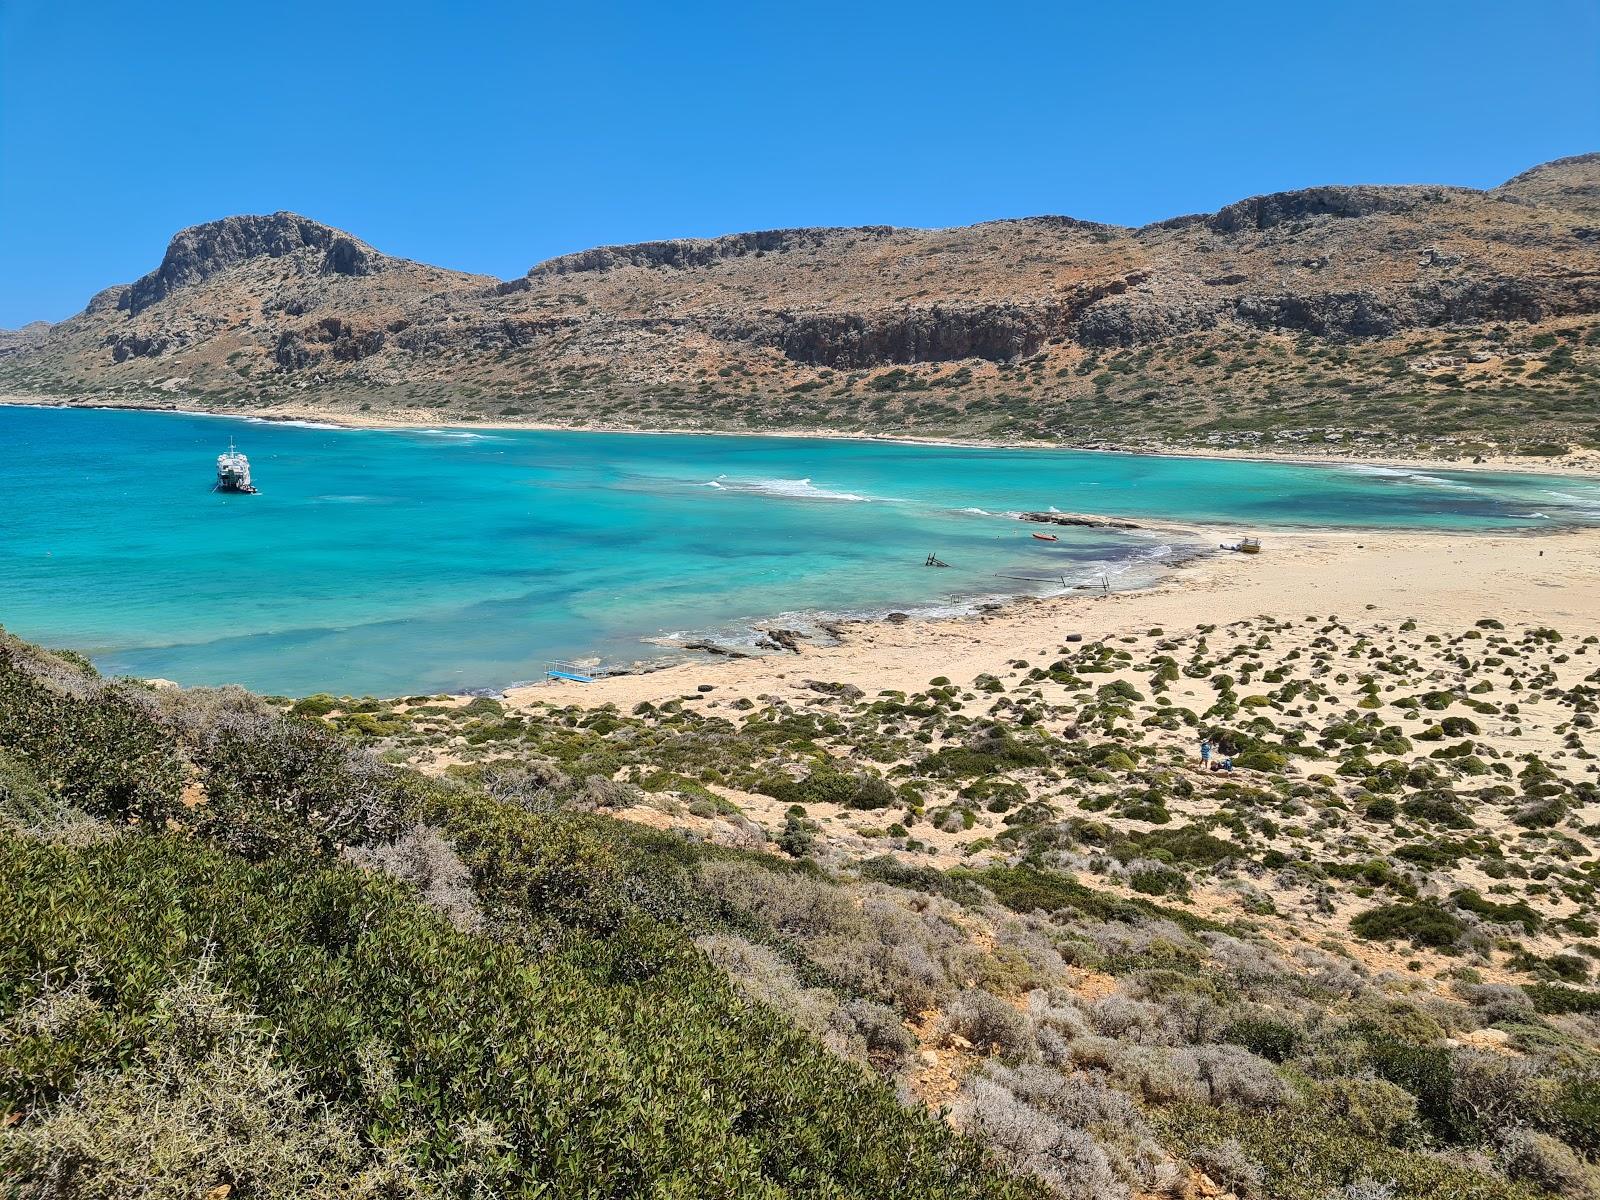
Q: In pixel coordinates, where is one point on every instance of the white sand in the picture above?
(1444, 581)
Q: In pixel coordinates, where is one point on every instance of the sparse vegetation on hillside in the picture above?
(440, 946)
(1415, 320)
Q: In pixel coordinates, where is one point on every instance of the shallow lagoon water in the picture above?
(391, 562)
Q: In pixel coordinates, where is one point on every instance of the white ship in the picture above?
(233, 472)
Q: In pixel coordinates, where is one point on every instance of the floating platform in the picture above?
(569, 671)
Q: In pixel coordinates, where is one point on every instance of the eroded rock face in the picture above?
(329, 337)
(346, 256)
(937, 334)
(1344, 203)
(135, 345)
(205, 250)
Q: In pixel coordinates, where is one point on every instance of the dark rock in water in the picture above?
(833, 629)
(1086, 520)
(846, 691)
(897, 618)
(713, 648)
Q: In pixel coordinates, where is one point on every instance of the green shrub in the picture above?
(1423, 923)
(1517, 913)
(1272, 1040)
(1554, 998)
(1025, 889)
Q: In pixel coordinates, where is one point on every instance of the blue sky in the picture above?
(486, 136)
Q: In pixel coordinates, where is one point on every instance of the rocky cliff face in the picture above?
(1027, 317)
(205, 250)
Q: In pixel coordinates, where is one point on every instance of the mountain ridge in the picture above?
(1241, 323)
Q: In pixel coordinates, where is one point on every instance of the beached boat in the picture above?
(1046, 537)
(233, 473)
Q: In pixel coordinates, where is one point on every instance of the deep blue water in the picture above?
(393, 562)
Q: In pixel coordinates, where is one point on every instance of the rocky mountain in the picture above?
(1416, 315)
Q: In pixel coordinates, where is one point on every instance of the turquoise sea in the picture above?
(391, 562)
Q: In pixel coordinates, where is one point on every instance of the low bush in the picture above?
(1423, 923)
(987, 1022)
(1554, 998)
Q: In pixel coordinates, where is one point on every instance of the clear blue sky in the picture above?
(488, 135)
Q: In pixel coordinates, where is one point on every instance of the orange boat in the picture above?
(1047, 537)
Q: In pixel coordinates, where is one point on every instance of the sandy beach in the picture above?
(1579, 462)
(1442, 581)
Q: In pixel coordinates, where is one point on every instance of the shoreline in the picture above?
(1297, 555)
(1584, 464)
(1443, 581)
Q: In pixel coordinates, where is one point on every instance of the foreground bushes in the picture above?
(256, 970)
(204, 1102)
(608, 1068)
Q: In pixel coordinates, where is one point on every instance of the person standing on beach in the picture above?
(1205, 753)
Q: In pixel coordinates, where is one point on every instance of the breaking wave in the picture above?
(786, 489)
(1412, 476)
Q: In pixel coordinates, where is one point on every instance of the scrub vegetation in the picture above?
(997, 937)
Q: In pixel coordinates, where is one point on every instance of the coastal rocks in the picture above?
(1086, 520)
(781, 639)
(897, 618)
(709, 647)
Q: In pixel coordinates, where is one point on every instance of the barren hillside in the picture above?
(1418, 317)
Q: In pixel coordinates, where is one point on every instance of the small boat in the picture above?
(1046, 537)
(233, 473)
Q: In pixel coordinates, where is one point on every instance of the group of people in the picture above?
(1209, 760)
